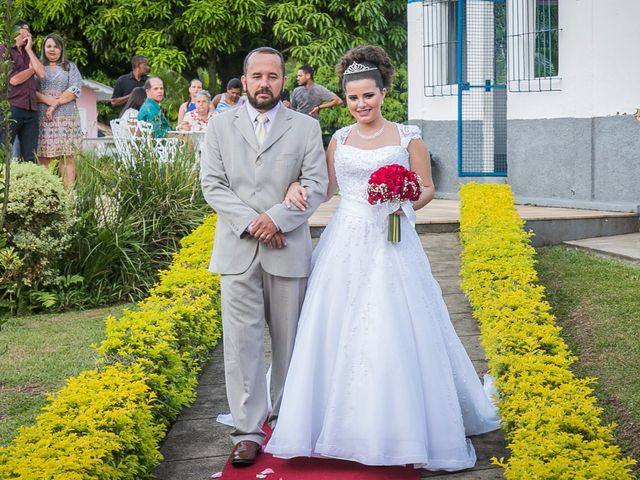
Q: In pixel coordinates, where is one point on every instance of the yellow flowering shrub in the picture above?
(550, 417)
(107, 423)
(99, 426)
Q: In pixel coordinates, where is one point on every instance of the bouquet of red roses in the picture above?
(394, 184)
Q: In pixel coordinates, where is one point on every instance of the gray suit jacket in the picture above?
(241, 180)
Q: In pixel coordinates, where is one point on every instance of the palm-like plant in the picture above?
(132, 213)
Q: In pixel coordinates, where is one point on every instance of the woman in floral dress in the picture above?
(197, 120)
(60, 135)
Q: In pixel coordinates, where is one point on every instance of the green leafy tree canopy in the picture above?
(183, 35)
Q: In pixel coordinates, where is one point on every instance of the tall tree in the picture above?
(183, 35)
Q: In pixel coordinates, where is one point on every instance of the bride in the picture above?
(378, 374)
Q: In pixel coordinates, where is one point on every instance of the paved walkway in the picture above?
(626, 247)
(197, 446)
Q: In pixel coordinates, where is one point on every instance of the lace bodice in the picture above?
(354, 165)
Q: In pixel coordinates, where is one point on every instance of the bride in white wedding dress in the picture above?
(378, 374)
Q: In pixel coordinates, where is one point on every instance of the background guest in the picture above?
(60, 135)
(194, 87)
(23, 67)
(132, 107)
(230, 99)
(126, 83)
(310, 97)
(286, 98)
(196, 120)
(151, 111)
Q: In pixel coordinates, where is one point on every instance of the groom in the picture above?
(261, 249)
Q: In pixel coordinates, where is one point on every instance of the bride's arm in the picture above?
(420, 163)
(296, 194)
(333, 183)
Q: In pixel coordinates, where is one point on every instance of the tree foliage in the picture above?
(182, 35)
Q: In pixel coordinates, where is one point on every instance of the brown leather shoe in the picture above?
(245, 453)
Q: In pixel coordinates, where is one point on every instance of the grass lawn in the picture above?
(597, 302)
(37, 353)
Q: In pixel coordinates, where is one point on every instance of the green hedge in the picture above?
(550, 417)
(107, 423)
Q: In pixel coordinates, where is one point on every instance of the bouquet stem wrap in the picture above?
(394, 228)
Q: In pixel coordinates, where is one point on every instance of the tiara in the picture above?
(356, 67)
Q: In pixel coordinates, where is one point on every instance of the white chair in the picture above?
(131, 139)
(166, 148)
(144, 129)
(122, 138)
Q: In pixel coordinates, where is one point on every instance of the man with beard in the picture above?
(310, 97)
(262, 249)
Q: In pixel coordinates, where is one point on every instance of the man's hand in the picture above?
(277, 241)
(29, 44)
(263, 228)
(315, 110)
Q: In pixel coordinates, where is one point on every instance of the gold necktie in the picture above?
(261, 131)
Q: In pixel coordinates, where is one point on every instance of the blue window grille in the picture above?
(479, 50)
(533, 45)
(482, 89)
(440, 47)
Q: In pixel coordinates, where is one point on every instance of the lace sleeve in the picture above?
(408, 133)
(341, 135)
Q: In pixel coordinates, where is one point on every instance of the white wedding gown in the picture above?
(378, 374)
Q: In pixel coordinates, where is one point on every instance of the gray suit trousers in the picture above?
(249, 300)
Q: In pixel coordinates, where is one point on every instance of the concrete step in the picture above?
(550, 225)
(626, 247)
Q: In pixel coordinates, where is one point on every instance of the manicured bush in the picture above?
(38, 222)
(550, 417)
(99, 426)
(37, 233)
(107, 424)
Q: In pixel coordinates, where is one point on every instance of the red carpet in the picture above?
(316, 469)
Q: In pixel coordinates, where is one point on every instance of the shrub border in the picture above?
(107, 423)
(550, 417)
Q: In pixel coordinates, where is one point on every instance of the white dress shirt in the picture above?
(271, 115)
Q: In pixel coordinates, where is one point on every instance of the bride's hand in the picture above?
(296, 197)
(399, 212)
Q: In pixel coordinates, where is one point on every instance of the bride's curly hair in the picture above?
(370, 56)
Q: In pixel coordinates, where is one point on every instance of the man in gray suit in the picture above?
(262, 249)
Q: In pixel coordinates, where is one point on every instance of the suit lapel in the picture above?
(243, 123)
(281, 124)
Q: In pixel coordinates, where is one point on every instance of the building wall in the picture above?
(579, 146)
(87, 103)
